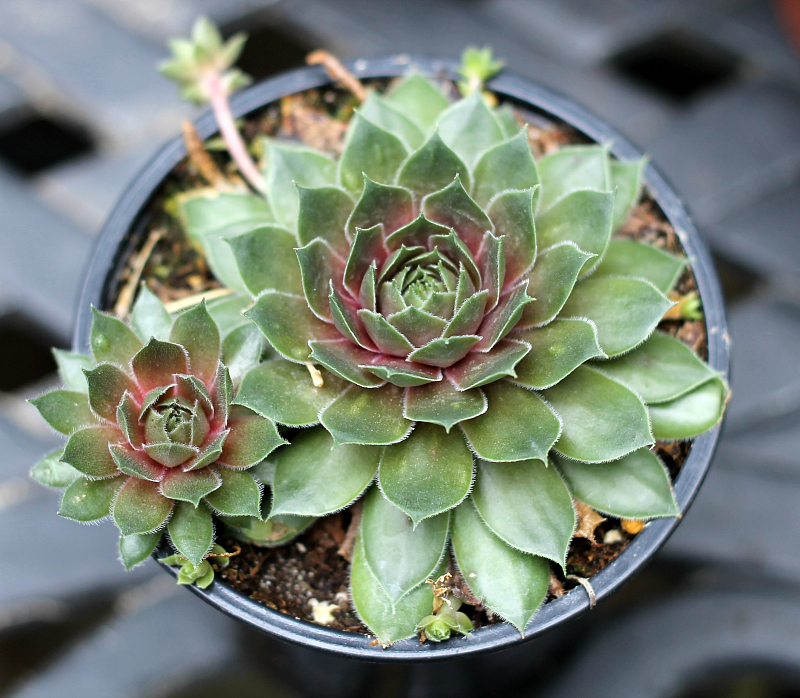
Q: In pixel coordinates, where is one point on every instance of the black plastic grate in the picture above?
(36, 143)
(25, 355)
(678, 65)
(272, 46)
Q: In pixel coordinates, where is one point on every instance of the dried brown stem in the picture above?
(333, 67)
(346, 548)
(125, 298)
(195, 298)
(200, 158)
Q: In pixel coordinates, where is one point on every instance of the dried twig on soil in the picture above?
(195, 298)
(136, 266)
(200, 158)
(346, 548)
(333, 67)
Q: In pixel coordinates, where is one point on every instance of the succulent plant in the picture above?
(485, 350)
(154, 441)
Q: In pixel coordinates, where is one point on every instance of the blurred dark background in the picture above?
(710, 88)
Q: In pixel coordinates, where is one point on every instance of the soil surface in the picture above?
(294, 577)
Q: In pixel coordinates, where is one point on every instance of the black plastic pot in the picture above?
(127, 223)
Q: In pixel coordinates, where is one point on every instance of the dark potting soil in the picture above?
(296, 577)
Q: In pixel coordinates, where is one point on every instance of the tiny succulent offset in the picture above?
(453, 337)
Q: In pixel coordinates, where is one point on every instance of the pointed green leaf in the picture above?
(551, 281)
(319, 266)
(250, 440)
(582, 217)
(511, 583)
(390, 622)
(626, 178)
(369, 150)
(111, 339)
(440, 403)
(508, 165)
(170, 454)
(625, 311)
(266, 259)
(445, 351)
(419, 99)
(190, 486)
(89, 500)
(71, 367)
(156, 364)
(191, 531)
(632, 258)
(601, 419)
(151, 398)
(107, 384)
(506, 117)
(367, 416)
(415, 234)
(345, 360)
(428, 473)
(149, 317)
(289, 166)
(210, 218)
(527, 505)
(241, 350)
(227, 312)
(571, 168)
(128, 421)
(432, 167)
(383, 113)
(270, 533)
(517, 425)
(136, 463)
(512, 215)
(400, 555)
(386, 337)
(661, 369)
(634, 487)
(469, 127)
(140, 507)
(136, 548)
(324, 212)
(222, 393)
(469, 316)
(197, 332)
(479, 369)
(383, 204)
(556, 351)
(208, 454)
(344, 313)
(691, 414)
(314, 477)
(403, 373)
(65, 410)
(87, 451)
(493, 268)
(284, 392)
(53, 472)
(367, 248)
(417, 325)
(238, 495)
(288, 324)
(498, 323)
(453, 208)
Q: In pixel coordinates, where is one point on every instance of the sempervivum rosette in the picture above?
(486, 350)
(153, 439)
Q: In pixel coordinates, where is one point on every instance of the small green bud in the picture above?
(477, 66)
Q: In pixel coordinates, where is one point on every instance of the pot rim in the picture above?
(126, 223)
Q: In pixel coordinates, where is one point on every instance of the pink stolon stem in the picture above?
(230, 134)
